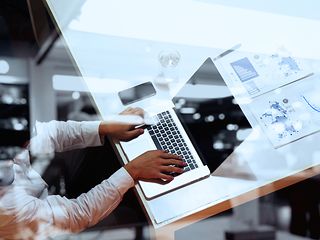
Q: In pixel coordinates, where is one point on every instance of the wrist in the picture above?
(103, 129)
(132, 171)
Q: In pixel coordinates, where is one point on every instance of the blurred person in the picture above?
(26, 210)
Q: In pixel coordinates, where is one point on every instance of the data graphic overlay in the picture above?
(258, 74)
(289, 113)
(244, 69)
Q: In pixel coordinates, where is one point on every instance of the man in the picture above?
(26, 210)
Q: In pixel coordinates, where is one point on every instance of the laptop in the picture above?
(167, 133)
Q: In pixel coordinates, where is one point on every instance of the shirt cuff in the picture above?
(91, 133)
(122, 180)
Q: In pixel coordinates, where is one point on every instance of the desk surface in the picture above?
(253, 170)
(232, 184)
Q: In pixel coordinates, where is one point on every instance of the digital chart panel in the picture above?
(258, 73)
(289, 113)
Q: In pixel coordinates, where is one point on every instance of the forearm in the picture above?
(57, 136)
(76, 135)
(89, 208)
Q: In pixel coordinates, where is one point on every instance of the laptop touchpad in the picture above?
(138, 146)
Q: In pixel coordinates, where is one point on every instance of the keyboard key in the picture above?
(186, 169)
(166, 136)
(156, 142)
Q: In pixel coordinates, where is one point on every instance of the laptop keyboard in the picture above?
(166, 136)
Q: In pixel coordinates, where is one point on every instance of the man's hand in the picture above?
(153, 165)
(122, 131)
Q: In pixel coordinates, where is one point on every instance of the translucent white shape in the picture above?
(242, 134)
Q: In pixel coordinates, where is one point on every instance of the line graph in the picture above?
(317, 109)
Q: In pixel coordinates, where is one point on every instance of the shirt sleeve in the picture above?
(55, 214)
(89, 208)
(58, 136)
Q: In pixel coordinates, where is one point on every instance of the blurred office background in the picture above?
(35, 68)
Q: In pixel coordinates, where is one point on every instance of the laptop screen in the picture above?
(213, 120)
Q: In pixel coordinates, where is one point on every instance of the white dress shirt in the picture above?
(26, 210)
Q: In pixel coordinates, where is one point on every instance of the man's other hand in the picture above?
(155, 165)
(123, 131)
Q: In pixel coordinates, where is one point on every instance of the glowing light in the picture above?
(4, 67)
(232, 127)
(196, 116)
(75, 95)
(209, 118)
(221, 116)
(218, 145)
(188, 110)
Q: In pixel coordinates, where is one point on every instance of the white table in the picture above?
(115, 53)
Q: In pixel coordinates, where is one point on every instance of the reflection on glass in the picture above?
(169, 61)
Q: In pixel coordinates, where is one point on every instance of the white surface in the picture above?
(123, 39)
(197, 196)
(196, 23)
(267, 166)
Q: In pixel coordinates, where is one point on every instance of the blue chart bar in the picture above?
(290, 62)
(244, 69)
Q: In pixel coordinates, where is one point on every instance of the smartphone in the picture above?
(137, 93)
